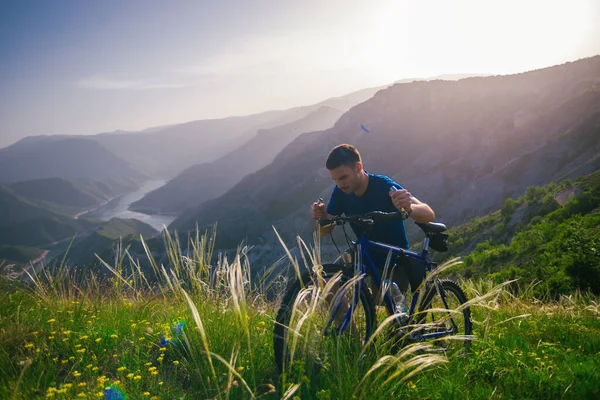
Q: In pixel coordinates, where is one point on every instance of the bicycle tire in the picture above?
(364, 314)
(434, 319)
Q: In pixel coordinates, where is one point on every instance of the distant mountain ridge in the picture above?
(462, 146)
(208, 180)
(66, 158)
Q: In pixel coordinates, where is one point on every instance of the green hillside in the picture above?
(121, 228)
(43, 230)
(14, 208)
(18, 254)
(103, 241)
(536, 239)
(55, 190)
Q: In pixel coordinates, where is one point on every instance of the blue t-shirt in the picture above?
(375, 198)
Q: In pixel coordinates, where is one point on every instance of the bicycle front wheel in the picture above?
(445, 319)
(318, 313)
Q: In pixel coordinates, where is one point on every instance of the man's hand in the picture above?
(401, 199)
(318, 210)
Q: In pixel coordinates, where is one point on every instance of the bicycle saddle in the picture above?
(432, 227)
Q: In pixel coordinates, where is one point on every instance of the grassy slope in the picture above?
(64, 340)
(533, 238)
(81, 346)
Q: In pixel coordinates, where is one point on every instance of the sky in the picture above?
(85, 67)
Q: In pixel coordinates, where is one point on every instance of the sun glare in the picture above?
(432, 37)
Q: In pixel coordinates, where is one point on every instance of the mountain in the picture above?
(208, 180)
(15, 208)
(169, 150)
(461, 146)
(19, 255)
(66, 158)
(55, 190)
(25, 200)
(102, 241)
(44, 230)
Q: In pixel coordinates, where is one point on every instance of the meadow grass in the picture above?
(204, 331)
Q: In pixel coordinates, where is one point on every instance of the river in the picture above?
(118, 208)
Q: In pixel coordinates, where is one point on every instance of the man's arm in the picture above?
(318, 210)
(420, 212)
(417, 210)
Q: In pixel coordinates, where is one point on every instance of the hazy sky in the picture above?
(82, 67)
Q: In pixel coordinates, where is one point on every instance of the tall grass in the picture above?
(195, 328)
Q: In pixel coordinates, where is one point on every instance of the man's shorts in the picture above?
(402, 270)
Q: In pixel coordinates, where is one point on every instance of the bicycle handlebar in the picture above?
(366, 219)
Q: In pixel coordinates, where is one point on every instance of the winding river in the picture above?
(118, 208)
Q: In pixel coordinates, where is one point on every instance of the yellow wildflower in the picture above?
(160, 383)
(130, 375)
(50, 337)
(51, 320)
(146, 393)
(78, 345)
(117, 382)
(66, 332)
(49, 394)
(81, 394)
(76, 374)
(114, 336)
(148, 364)
(82, 384)
(98, 340)
(100, 394)
(154, 372)
(95, 369)
(137, 378)
(83, 337)
(88, 366)
(81, 351)
(64, 361)
(121, 369)
(151, 369)
(68, 385)
(163, 349)
(176, 362)
(29, 345)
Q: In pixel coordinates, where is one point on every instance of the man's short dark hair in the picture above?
(343, 154)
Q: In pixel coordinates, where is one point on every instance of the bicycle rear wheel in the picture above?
(312, 317)
(444, 318)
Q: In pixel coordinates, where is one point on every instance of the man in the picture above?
(357, 192)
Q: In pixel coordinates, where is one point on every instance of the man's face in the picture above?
(346, 177)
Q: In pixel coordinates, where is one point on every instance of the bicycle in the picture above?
(349, 311)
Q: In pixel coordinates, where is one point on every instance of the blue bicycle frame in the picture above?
(363, 244)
